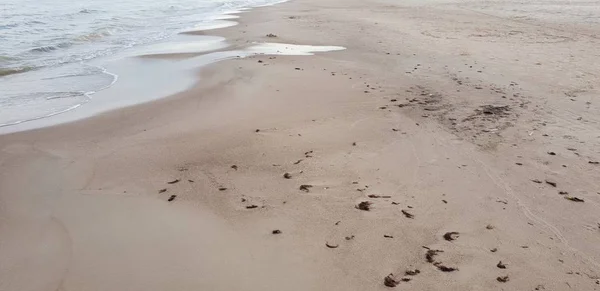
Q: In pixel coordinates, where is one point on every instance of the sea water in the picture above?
(50, 49)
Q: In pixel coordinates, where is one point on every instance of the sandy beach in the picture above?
(453, 145)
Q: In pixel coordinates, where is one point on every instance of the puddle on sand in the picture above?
(290, 49)
(257, 49)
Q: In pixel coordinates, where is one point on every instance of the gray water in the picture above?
(49, 49)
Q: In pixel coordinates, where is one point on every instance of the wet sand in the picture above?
(475, 118)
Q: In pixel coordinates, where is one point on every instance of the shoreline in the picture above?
(188, 44)
(429, 115)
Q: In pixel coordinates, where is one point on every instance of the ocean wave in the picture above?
(50, 48)
(9, 25)
(63, 95)
(87, 11)
(35, 22)
(92, 36)
(12, 71)
(43, 49)
(6, 59)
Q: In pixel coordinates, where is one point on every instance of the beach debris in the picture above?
(260, 61)
(407, 214)
(405, 279)
(519, 164)
(162, 190)
(172, 198)
(276, 231)
(494, 110)
(536, 181)
(489, 226)
(378, 196)
(287, 175)
(307, 154)
(257, 130)
(412, 272)
(390, 281)
(395, 203)
(594, 162)
(551, 183)
(297, 69)
(251, 206)
(338, 222)
(552, 153)
(354, 144)
(365, 205)
(298, 161)
(574, 199)
(443, 268)
(234, 167)
(305, 188)
(503, 279)
(174, 181)
(388, 236)
(563, 192)
(331, 246)
(430, 255)
(494, 250)
(271, 35)
(191, 181)
(450, 236)
(446, 202)
(351, 237)
(501, 265)
(222, 188)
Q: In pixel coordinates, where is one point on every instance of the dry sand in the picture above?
(453, 109)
